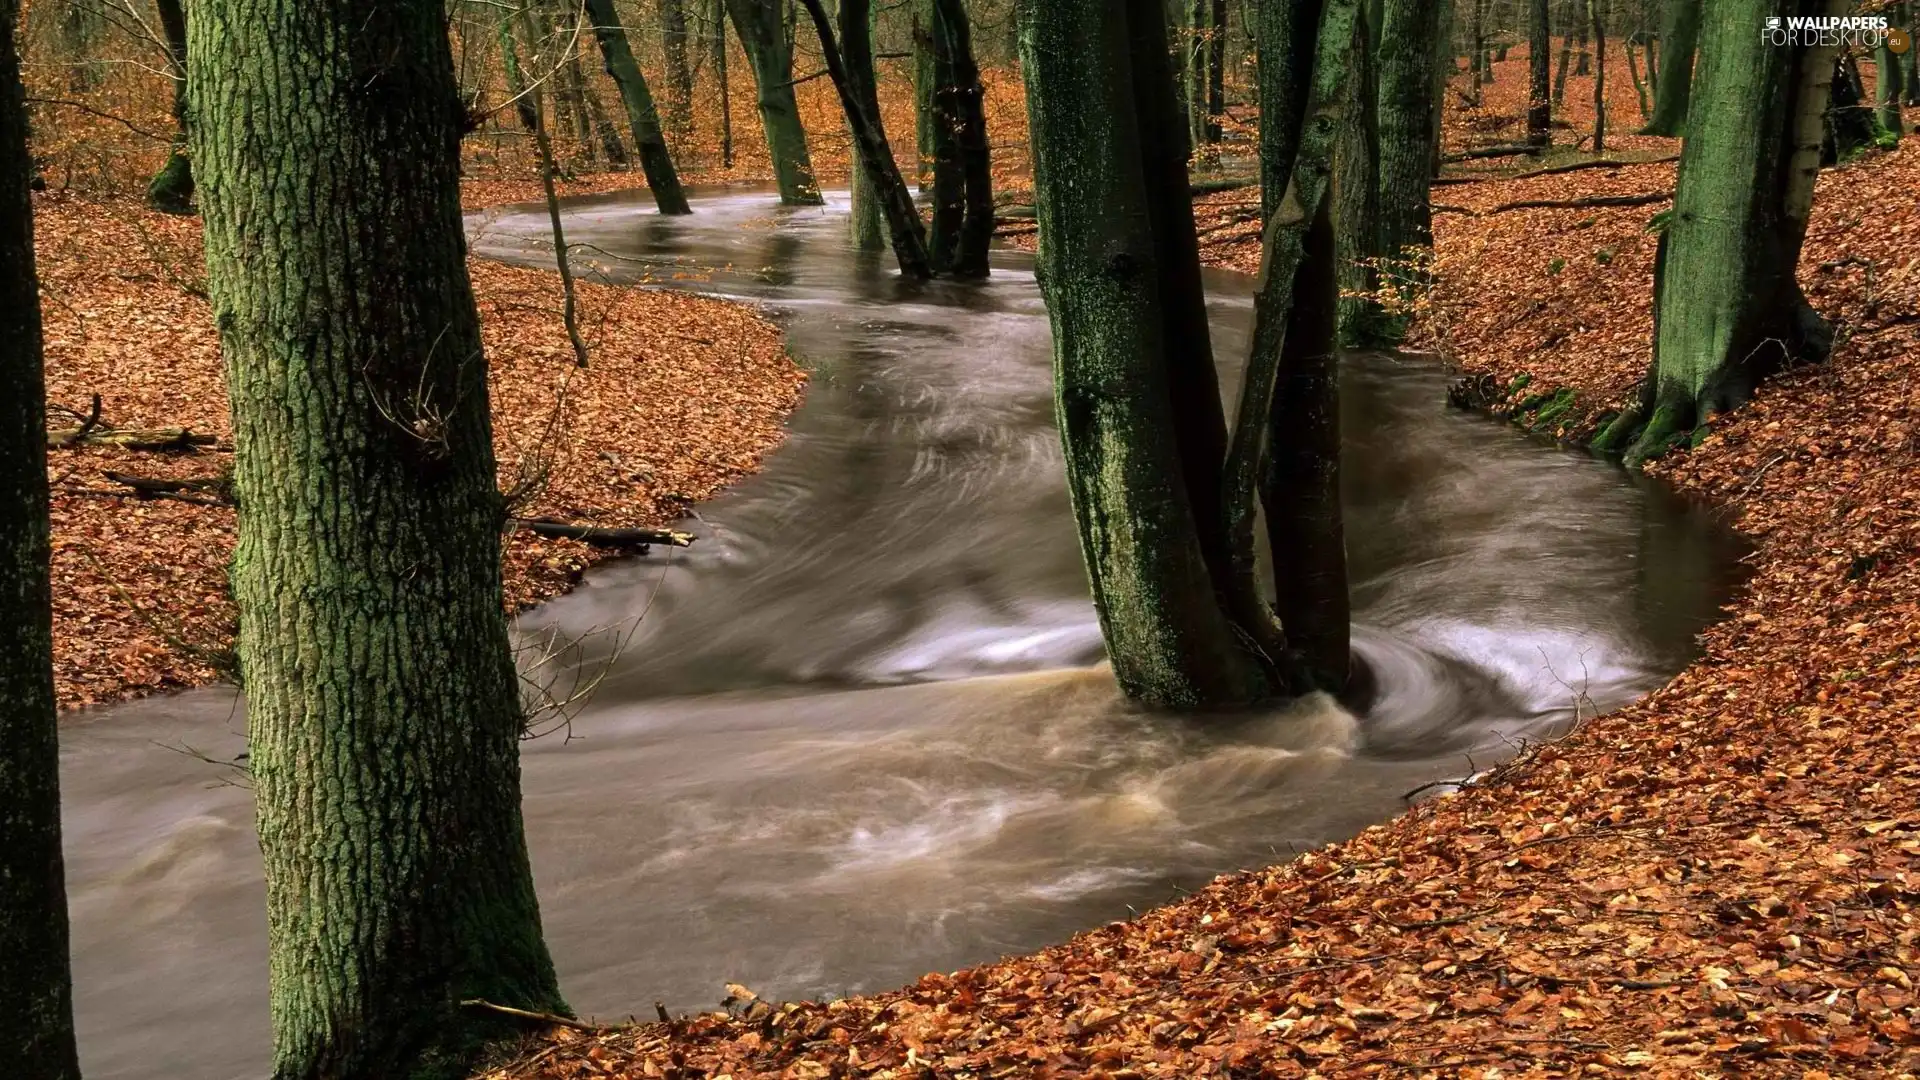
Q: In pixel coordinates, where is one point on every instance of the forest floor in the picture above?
(682, 395)
(1723, 878)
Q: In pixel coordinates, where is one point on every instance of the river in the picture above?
(860, 732)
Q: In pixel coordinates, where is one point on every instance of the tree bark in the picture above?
(726, 86)
(963, 172)
(868, 220)
(673, 46)
(655, 160)
(1168, 638)
(382, 702)
(171, 189)
(1679, 38)
(862, 107)
(1408, 105)
(762, 29)
(36, 983)
(1356, 197)
(1539, 77)
(1728, 309)
(1216, 70)
(1597, 11)
(1889, 86)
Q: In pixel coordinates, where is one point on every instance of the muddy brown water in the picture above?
(861, 731)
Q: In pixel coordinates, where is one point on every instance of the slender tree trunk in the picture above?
(1216, 71)
(531, 105)
(926, 81)
(606, 131)
(382, 704)
(1478, 63)
(655, 161)
(1597, 10)
(726, 84)
(875, 158)
(1169, 640)
(1539, 77)
(1679, 37)
(571, 91)
(1633, 72)
(673, 46)
(762, 27)
(171, 189)
(1408, 106)
(1728, 309)
(1356, 199)
(1583, 59)
(963, 172)
(1196, 70)
(1575, 17)
(36, 983)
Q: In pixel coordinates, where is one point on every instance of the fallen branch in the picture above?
(1579, 204)
(1595, 163)
(103, 493)
(148, 439)
(150, 486)
(1481, 152)
(603, 536)
(1224, 184)
(533, 1017)
(87, 424)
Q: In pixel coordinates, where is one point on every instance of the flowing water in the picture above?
(860, 732)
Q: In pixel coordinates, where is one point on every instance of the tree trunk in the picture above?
(1851, 125)
(726, 86)
(1539, 77)
(1356, 199)
(531, 104)
(1169, 640)
(1728, 309)
(1597, 9)
(926, 128)
(867, 221)
(655, 161)
(761, 25)
(1633, 72)
(1408, 105)
(963, 171)
(382, 703)
(1195, 71)
(1889, 85)
(1478, 62)
(171, 189)
(861, 104)
(1565, 65)
(1290, 397)
(606, 130)
(1216, 71)
(673, 45)
(36, 982)
(1679, 37)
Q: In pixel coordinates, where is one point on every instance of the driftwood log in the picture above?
(603, 536)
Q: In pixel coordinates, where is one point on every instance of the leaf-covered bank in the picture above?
(682, 396)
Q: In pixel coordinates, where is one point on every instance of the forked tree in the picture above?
(1165, 502)
(383, 708)
(36, 987)
(1727, 307)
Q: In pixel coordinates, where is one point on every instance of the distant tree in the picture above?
(673, 47)
(1357, 194)
(648, 141)
(171, 190)
(1597, 13)
(383, 707)
(719, 45)
(1727, 307)
(1679, 38)
(1165, 506)
(1408, 102)
(36, 984)
(1539, 76)
(762, 27)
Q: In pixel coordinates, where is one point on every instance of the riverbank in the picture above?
(682, 396)
(1720, 878)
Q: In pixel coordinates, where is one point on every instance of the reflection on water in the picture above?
(861, 732)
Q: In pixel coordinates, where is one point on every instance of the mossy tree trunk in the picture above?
(1679, 38)
(1727, 307)
(383, 707)
(1889, 86)
(868, 223)
(1408, 106)
(1539, 76)
(761, 25)
(171, 189)
(642, 118)
(962, 229)
(1357, 196)
(36, 984)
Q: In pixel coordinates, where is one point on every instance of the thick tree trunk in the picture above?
(875, 158)
(1539, 76)
(673, 45)
(1408, 106)
(171, 189)
(655, 160)
(1679, 38)
(1728, 309)
(963, 171)
(761, 25)
(868, 222)
(36, 984)
(1889, 85)
(1281, 437)
(1169, 640)
(383, 707)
